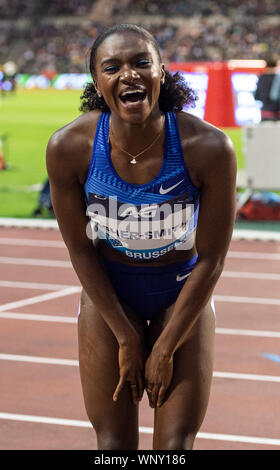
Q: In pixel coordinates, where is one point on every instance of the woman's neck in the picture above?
(134, 136)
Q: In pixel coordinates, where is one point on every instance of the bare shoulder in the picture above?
(69, 149)
(206, 148)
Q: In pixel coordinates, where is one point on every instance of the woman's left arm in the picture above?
(214, 230)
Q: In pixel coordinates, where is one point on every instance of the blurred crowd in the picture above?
(220, 40)
(203, 7)
(60, 48)
(210, 30)
(14, 9)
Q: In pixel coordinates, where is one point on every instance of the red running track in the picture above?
(41, 399)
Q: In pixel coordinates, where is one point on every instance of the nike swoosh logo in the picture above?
(164, 191)
(180, 278)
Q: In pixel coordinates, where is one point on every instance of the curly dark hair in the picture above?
(174, 92)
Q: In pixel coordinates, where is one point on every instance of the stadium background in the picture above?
(42, 41)
(43, 48)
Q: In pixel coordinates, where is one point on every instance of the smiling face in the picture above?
(128, 75)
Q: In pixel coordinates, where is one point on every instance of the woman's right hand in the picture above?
(131, 365)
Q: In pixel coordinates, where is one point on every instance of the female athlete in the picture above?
(158, 186)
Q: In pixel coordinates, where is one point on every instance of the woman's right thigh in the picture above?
(115, 423)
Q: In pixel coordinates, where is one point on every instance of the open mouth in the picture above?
(133, 96)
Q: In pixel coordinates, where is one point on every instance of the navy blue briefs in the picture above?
(149, 290)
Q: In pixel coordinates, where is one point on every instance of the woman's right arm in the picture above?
(63, 166)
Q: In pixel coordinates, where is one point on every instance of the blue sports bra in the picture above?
(148, 220)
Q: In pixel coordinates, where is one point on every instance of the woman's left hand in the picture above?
(158, 375)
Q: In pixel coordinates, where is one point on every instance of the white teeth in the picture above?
(132, 92)
(128, 95)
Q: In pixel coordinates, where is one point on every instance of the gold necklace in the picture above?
(133, 161)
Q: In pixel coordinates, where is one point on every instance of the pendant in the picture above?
(133, 161)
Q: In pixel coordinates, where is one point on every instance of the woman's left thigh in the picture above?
(179, 418)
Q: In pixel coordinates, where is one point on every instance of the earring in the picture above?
(99, 94)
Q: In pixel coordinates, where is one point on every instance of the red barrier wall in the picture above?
(219, 106)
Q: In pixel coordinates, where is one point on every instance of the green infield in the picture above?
(27, 120)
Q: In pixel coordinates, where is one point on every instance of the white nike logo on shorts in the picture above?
(180, 278)
(164, 191)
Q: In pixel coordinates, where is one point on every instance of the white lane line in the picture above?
(37, 317)
(72, 362)
(239, 332)
(238, 376)
(38, 360)
(246, 300)
(227, 274)
(238, 234)
(256, 235)
(30, 242)
(34, 285)
(35, 262)
(40, 298)
(65, 264)
(61, 244)
(73, 320)
(68, 264)
(142, 429)
(45, 420)
(12, 222)
(66, 319)
(250, 275)
(253, 255)
(233, 438)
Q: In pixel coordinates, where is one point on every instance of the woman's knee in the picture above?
(176, 441)
(112, 440)
(114, 431)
